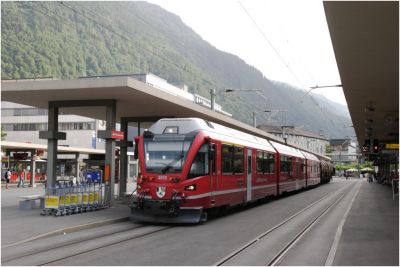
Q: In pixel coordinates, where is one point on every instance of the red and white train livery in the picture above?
(189, 166)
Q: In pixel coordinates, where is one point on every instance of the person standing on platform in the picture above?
(370, 179)
(7, 177)
(21, 179)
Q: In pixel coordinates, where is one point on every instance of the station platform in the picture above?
(369, 236)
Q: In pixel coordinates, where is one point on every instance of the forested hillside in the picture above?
(73, 39)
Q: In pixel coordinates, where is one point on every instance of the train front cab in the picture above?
(174, 184)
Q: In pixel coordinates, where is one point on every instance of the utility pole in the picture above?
(212, 93)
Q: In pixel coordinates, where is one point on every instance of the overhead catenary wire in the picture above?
(280, 57)
(270, 44)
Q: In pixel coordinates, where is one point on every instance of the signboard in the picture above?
(392, 146)
(107, 173)
(117, 135)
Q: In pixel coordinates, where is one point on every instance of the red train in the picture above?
(190, 166)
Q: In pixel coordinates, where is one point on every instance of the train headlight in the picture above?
(191, 187)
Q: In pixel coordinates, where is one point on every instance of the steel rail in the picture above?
(68, 243)
(38, 251)
(260, 237)
(278, 257)
(106, 245)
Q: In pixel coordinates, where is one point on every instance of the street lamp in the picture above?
(317, 87)
(285, 133)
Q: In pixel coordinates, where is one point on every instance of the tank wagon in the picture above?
(190, 166)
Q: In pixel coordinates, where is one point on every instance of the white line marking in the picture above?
(338, 235)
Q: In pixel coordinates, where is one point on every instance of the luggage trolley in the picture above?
(60, 187)
(51, 201)
(73, 199)
(94, 182)
(78, 189)
(85, 196)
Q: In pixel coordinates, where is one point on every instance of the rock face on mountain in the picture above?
(73, 39)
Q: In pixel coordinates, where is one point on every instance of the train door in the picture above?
(213, 148)
(249, 174)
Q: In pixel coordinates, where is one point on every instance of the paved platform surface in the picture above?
(19, 225)
(370, 234)
(371, 231)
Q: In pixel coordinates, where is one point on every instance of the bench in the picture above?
(29, 202)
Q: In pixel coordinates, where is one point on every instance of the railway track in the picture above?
(51, 250)
(277, 241)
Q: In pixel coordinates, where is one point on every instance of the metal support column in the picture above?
(52, 135)
(123, 158)
(52, 147)
(33, 168)
(111, 114)
(77, 168)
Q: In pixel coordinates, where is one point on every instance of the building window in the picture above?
(64, 126)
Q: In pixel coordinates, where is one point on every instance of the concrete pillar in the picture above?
(52, 147)
(33, 168)
(77, 169)
(110, 150)
(123, 158)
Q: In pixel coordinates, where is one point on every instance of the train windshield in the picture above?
(166, 155)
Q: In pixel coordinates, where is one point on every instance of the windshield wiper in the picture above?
(169, 165)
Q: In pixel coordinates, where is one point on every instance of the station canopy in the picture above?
(365, 38)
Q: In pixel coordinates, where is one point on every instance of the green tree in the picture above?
(3, 134)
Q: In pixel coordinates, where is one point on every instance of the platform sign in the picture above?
(117, 135)
(51, 202)
(392, 146)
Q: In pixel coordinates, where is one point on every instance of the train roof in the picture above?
(310, 156)
(287, 150)
(214, 130)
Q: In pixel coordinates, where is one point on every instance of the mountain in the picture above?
(72, 39)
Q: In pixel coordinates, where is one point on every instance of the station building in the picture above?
(313, 142)
(22, 123)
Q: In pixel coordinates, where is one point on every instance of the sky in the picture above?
(287, 40)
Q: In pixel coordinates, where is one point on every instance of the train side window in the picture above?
(283, 164)
(227, 159)
(200, 163)
(259, 162)
(286, 164)
(238, 161)
(270, 163)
